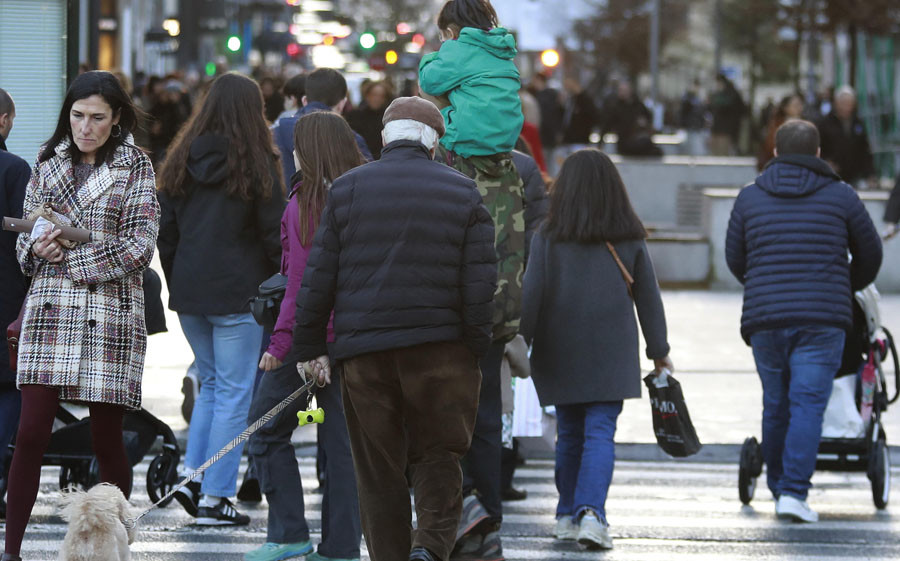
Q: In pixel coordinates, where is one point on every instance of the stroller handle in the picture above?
(896, 361)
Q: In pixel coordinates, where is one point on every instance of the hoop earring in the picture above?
(117, 130)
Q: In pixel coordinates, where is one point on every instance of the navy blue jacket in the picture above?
(404, 255)
(14, 176)
(787, 244)
(283, 131)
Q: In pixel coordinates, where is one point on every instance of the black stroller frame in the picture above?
(869, 453)
(70, 449)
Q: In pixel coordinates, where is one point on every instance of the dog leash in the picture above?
(307, 387)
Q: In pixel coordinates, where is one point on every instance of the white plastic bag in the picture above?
(842, 420)
(527, 413)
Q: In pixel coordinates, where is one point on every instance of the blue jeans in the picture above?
(797, 366)
(226, 352)
(585, 456)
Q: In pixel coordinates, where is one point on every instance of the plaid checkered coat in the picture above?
(83, 329)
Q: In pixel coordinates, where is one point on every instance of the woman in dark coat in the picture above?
(579, 318)
(222, 196)
(366, 120)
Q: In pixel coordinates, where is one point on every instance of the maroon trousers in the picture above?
(39, 405)
(410, 407)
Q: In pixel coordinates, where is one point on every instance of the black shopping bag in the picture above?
(672, 425)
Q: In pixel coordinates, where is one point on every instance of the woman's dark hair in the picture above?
(468, 13)
(589, 204)
(233, 108)
(295, 87)
(781, 110)
(326, 148)
(107, 86)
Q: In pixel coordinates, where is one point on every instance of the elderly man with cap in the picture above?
(404, 255)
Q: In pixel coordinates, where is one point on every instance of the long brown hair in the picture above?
(326, 148)
(589, 203)
(233, 108)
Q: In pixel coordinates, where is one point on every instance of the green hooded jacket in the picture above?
(476, 72)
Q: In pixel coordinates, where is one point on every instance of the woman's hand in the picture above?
(46, 247)
(665, 362)
(269, 362)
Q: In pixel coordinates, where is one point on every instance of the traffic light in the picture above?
(367, 40)
(293, 50)
(550, 58)
(233, 44)
(391, 57)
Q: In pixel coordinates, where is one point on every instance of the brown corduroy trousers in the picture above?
(410, 407)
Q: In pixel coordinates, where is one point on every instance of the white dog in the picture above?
(97, 530)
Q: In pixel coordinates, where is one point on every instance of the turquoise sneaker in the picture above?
(278, 551)
(319, 557)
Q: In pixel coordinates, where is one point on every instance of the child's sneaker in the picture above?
(566, 529)
(223, 514)
(592, 533)
(278, 551)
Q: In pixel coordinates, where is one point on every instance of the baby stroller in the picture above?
(863, 449)
(70, 448)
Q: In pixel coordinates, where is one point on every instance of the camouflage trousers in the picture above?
(503, 193)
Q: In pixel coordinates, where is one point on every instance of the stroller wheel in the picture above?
(69, 476)
(749, 469)
(92, 475)
(880, 472)
(160, 478)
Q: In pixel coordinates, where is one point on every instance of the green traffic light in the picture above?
(234, 43)
(367, 40)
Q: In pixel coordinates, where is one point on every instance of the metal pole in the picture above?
(654, 51)
(717, 19)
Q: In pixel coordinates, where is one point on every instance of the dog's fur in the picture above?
(97, 529)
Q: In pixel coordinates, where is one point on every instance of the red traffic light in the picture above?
(293, 50)
(419, 39)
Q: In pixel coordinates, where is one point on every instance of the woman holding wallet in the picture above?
(578, 314)
(83, 335)
(222, 196)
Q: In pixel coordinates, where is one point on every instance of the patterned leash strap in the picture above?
(307, 387)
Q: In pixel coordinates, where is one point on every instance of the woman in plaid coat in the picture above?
(83, 333)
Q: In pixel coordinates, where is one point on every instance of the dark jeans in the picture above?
(275, 463)
(797, 366)
(481, 465)
(410, 407)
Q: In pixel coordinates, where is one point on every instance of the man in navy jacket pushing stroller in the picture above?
(787, 243)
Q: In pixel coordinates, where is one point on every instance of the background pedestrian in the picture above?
(579, 318)
(797, 218)
(14, 175)
(404, 255)
(477, 82)
(222, 198)
(325, 148)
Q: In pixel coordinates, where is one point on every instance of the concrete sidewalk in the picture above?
(714, 366)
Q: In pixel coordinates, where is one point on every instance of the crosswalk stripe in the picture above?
(659, 511)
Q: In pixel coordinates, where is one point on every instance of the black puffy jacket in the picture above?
(787, 244)
(404, 255)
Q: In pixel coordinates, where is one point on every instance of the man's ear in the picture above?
(339, 108)
(775, 151)
(819, 152)
(304, 101)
